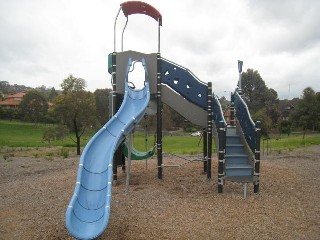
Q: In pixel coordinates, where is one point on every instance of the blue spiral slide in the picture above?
(88, 212)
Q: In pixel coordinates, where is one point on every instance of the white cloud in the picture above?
(43, 41)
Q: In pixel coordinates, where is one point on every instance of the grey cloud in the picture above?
(293, 25)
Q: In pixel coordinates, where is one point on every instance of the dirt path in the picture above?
(35, 192)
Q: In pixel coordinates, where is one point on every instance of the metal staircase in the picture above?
(238, 144)
(237, 162)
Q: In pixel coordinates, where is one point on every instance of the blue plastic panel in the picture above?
(184, 82)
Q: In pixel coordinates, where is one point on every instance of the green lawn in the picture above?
(171, 144)
(293, 141)
(21, 134)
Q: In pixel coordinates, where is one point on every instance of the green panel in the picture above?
(110, 63)
(135, 154)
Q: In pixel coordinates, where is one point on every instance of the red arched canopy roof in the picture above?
(137, 7)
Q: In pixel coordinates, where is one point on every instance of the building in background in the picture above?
(12, 100)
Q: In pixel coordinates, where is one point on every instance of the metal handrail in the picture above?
(245, 120)
(217, 113)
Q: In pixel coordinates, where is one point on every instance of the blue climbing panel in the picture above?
(185, 83)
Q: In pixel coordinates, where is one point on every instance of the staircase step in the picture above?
(235, 145)
(239, 155)
(234, 148)
(237, 158)
(238, 165)
(233, 139)
(241, 179)
(239, 169)
(231, 131)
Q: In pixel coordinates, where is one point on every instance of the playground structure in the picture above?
(238, 143)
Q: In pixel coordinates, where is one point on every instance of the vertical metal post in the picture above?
(146, 137)
(209, 106)
(123, 33)
(113, 109)
(114, 82)
(232, 120)
(129, 162)
(240, 63)
(114, 31)
(205, 149)
(221, 155)
(159, 117)
(257, 157)
(159, 24)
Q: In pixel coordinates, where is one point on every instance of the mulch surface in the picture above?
(35, 192)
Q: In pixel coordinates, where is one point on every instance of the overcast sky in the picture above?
(43, 41)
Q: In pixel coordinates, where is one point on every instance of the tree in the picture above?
(285, 127)
(224, 103)
(72, 84)
(9, 113)
(6, 88)
(102, 104)
(33, 107)
(266, 121)
(255, 91)
(53, 93)
(307, 112)
(75, 107)
(274, 113)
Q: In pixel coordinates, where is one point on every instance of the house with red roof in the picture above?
(12, 100)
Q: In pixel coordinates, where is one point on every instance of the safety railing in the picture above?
(247, 125)
(217, 113)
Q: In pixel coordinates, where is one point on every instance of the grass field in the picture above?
(290, 142)
(21, 134)
(171, 144)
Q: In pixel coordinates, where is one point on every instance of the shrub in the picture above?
(64, 153)
(58, 132)
(49, 158)
(285, 127)
(266, 121)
